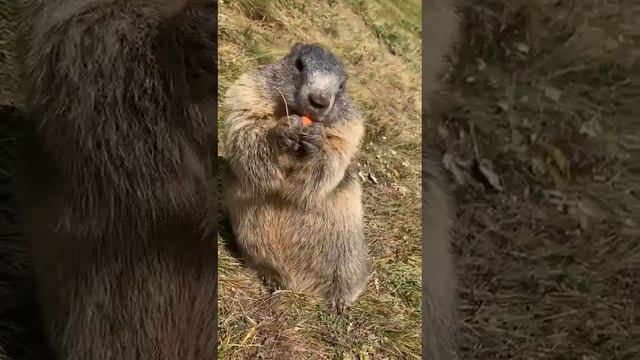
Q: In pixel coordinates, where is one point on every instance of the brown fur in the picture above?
(440, 24)
(297, 221)
(116, 183)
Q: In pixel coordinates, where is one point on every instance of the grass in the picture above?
(286, 325)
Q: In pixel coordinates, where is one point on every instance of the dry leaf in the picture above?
(486, 168)
(560, 160)
(464, 163)
(552, 93)
(558, 165)
(443, 132)
(523, 48)
(450, 164)
(482, 66)
(591, 128)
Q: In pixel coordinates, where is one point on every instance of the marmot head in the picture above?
(313, 82)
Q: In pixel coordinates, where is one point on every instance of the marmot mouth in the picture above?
(312, 115)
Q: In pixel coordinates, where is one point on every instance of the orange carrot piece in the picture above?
(306, 121)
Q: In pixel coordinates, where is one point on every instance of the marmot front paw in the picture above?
(292, 135)
(287, 133)
(312, 139)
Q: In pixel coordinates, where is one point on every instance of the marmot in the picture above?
(292, 191)
(117, 175)
(439, 328)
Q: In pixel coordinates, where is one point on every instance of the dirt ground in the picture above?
(540, 134)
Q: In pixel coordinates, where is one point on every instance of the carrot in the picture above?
(306, 121)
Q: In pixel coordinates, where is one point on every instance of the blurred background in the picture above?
(542, 132)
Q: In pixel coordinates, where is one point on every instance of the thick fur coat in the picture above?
(116, 176)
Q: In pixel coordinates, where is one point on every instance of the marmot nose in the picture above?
(319, 100)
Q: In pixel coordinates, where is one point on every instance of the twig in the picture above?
(286, 107)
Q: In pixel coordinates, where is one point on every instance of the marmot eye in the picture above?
(342, 86)
(299, 64)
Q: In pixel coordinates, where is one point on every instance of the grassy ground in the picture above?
(545, 90)
(386, 321)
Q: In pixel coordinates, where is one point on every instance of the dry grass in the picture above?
(386, 321)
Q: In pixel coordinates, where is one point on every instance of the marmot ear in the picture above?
(296, 47)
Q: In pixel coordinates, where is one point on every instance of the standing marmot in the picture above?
(293, 195)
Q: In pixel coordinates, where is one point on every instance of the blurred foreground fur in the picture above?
(115, 182)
